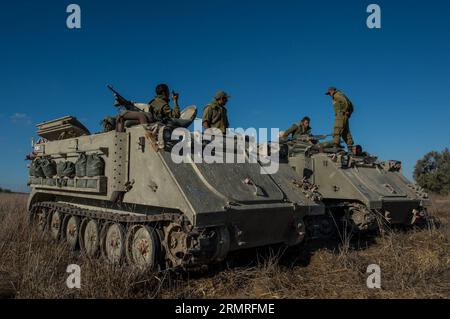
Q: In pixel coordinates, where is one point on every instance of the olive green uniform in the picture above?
(160, 109)
(298, 130)
(343, 108)
(216, 116)
(157, 109)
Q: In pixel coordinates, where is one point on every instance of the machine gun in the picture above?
(314, 138)
(305, 139)
(120, 101)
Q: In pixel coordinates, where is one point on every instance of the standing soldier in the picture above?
(215, 113)
(299, 129)
(343, 109)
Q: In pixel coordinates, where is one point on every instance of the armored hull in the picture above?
(135, 204)
(359, 188)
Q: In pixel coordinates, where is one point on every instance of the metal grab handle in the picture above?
(390, 188)
(258, 190)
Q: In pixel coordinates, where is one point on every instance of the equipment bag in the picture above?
(95, 165)
(36, 169)
(48, 167)
(80, 165)
(65, 169)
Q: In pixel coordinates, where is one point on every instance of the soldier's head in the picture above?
(162, 90)
(221, 98)
(305, 122)
(331, 90)
(357, 150)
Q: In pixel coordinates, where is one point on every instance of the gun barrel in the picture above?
(112, 89)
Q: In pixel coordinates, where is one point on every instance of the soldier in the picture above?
(358, 151)
(215, 113)
(343, 109)
(160, 104)
(157, 110)
(299, 129)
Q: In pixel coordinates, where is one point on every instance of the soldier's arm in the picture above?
(290, 130)
(167, 111)
(206, 118)
(176, 110)
(341, 103)
(227, 124)
(176, 107)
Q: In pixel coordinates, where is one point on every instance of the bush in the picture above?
(432, 172)
(4, 190)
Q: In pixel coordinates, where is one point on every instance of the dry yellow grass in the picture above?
(414, 264)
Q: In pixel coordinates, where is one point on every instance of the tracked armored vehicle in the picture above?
(121, 196)
(357, 188)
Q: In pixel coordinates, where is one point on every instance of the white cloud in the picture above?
(20, 118)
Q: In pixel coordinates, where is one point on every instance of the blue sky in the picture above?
(275, 58)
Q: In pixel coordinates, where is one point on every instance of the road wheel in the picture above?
(90, 237)
(40, 218)
(54, 224)
(114, 243)
(359, 218)
(142, 247)
(72, 226)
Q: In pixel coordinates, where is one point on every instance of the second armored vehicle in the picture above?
(357, 188)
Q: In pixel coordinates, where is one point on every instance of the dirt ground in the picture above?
(414, 264)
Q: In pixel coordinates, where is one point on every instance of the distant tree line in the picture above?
(4, 190)
(432, 172)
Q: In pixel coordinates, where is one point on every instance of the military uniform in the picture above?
(343, 108)
(157, 109)
(215, 115)
(160, 109)
(297, 130)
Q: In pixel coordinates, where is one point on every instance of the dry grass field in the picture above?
(414, 264)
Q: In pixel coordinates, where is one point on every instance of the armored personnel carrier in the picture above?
(357, 188)
(121, 196)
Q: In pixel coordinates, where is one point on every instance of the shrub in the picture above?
(432, 172)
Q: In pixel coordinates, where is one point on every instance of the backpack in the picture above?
(80, 165)
(65, 169)
(48, 167)
(95, 165)
(36, 169)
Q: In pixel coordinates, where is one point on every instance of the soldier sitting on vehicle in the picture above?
(298, 130)
(358, 151)
(157, 110)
